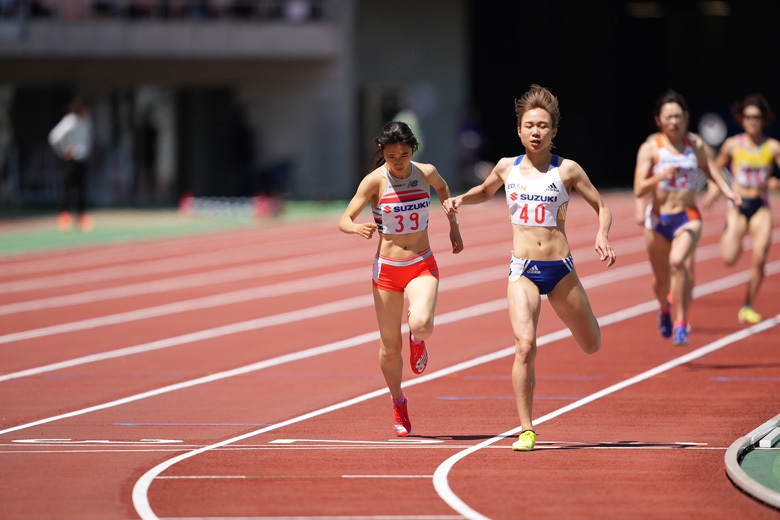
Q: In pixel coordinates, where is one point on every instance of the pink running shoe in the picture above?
(418, 356)
(402, 425)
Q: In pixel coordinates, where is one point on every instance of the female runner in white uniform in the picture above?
(665, 168)
(537, 188)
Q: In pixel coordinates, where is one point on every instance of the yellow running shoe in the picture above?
(748, 315)
(526, 441)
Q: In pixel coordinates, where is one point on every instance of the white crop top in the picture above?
(403, 207)
(536, 202)
(686, 160)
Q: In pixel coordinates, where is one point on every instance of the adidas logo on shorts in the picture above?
(533, 270)
(554, 188)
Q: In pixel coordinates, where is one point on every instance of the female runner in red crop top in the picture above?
(399, 193)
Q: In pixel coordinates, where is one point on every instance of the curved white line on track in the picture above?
(141, 488)
(440, 476)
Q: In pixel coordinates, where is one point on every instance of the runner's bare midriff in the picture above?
(403, 246)
(540, 243)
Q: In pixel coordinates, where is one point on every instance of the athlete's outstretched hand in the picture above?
(605, 250)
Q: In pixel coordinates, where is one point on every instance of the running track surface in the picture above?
(235, 375)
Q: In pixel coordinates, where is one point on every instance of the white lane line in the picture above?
(140, 490)
(255, 293)
(181, 449)
(152, 267)
(218, 477)
(206, 477)
(154, 249)
(85, 450)
(5, 450)
(404, 441)
(213, 256)
(233, 297)
(171, 284)
(441, 475)
(38, 262)
(353, 517)
(220, 252)
(279, 319)
(462, 314)
(154, 312)
(386, 476)
(214, 277)
(311, 312)
(254, 367)
(450, 283)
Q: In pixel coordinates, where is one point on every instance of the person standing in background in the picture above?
(72, 140)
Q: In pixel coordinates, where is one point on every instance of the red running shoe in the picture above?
(418, 356)
(402, 425)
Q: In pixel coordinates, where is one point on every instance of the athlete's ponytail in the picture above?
(394, 132)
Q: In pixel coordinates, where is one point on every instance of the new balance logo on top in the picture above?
(552, 187)
(533, 270)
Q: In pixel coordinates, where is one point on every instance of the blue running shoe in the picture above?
(681, 333)
(665, 323)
